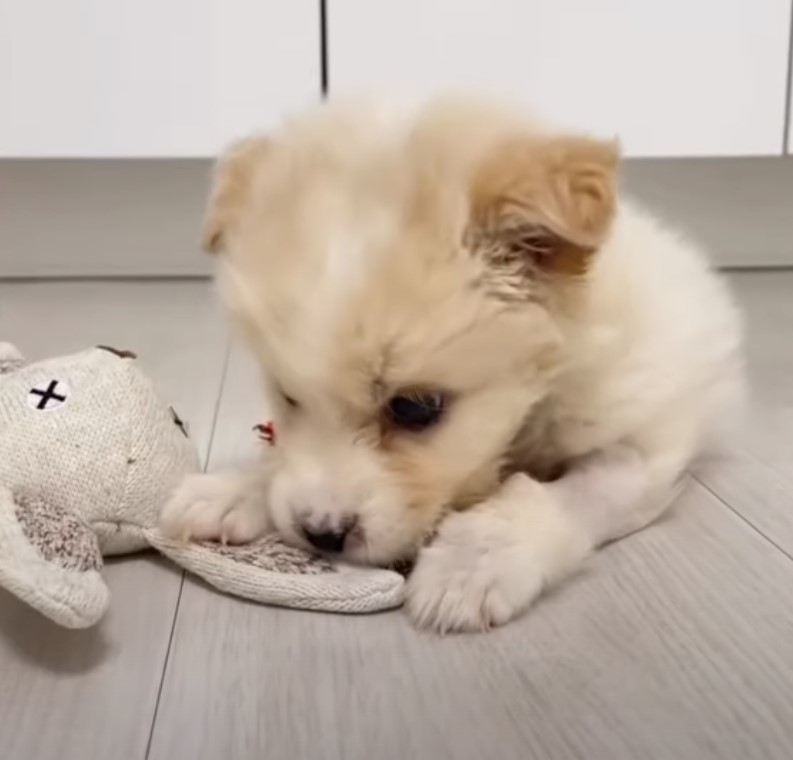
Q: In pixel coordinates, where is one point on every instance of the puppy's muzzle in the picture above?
(327, 538)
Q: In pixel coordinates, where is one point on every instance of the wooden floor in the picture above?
(676, 643)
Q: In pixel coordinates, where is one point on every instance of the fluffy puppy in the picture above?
(466, 333)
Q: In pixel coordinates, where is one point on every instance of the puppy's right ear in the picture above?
(233, 176)
(546, 203)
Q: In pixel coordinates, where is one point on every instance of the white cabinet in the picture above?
(150, 77)
(789, 111)
(671, 78)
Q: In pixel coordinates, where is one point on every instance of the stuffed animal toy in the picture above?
(88, 456)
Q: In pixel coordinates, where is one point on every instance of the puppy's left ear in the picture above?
(230, 187)
(547, 202)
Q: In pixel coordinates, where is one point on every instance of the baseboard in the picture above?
(741, 209)
(102, 218)
(140, 218)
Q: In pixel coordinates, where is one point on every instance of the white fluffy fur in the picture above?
(345, 286)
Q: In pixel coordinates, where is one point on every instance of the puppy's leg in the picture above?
(489, 563)
(615, 492)
(228, 507)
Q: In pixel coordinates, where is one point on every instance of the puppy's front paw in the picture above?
(475, 575)
(214, 507)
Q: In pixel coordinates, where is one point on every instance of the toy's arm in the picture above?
(50, 560)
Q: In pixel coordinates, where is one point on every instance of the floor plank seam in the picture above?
(218, 402)
(743, 519)
(168, 650)
(207, 457)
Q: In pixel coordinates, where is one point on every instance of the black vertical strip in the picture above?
(787, 144)
(323, 46)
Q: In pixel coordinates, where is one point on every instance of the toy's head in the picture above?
(88, 456)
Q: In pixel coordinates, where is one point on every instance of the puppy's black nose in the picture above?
(327, 540)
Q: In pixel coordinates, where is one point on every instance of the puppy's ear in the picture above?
(230, 186)
(545, 203)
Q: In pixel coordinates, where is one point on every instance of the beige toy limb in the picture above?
(51, 560)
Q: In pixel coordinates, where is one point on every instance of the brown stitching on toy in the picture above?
(271, 553)
(120, 352)
(115, 524)
(178, 422)
(58, 535)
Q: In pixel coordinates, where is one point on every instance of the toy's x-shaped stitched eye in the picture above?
(48, 395)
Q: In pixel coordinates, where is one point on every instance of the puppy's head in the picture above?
(404, 288)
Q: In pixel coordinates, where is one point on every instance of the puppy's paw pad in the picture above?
(243, 523)
(212, 508)
(464, 584)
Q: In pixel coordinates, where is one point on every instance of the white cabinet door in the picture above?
(789, 109)
(671, 78)
(150, 77)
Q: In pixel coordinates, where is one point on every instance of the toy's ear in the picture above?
(50, 560)
(10, 358)
(230, 186)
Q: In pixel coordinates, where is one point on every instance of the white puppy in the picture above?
(454, 308)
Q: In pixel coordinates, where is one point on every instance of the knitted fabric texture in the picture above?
(58, 535)
(338, 588)
(270, 553)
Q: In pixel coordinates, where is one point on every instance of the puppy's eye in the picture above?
(416, 411)
(290, 401)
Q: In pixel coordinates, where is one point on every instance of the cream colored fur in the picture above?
(368, 250)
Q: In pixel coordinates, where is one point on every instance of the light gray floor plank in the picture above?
(756, 475)
(92, 694)
(241, 406)
(675, 643)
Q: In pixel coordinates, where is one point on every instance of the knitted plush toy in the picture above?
(88, 456)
